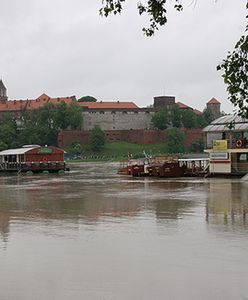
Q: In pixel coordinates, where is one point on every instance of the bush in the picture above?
(175, 140)
(97, 139)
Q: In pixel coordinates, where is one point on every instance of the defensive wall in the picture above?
(66, 137)
(117, 119)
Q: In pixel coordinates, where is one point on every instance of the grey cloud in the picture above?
(64, 47)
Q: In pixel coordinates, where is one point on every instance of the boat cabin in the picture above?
(32, 158)
(226, 142)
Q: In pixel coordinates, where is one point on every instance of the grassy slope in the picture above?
(124, 149)
(121, 150)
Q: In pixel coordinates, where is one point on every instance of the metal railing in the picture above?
(32, 166)
(239, 167)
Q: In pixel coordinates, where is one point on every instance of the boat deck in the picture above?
(33, 166)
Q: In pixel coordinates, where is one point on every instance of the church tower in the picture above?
(214, 106)
(3, 92)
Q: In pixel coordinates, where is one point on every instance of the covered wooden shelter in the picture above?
(32, 158)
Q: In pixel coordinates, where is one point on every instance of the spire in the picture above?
(3, 92)
(2, 85)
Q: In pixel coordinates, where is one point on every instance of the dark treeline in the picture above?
(40, 126)
(179, 118)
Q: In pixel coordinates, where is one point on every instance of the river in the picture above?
(93, 234)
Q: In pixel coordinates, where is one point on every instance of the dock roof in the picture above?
(222, 124)
(17, 151)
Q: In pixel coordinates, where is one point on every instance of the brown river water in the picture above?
(94, 234)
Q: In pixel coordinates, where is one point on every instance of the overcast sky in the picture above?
(64, 48)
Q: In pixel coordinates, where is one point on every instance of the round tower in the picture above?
(163, 102)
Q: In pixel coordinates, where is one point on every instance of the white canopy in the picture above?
(17, 151)
(221, 124)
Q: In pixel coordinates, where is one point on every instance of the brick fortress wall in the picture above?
(66, 137)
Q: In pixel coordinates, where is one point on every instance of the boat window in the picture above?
(243, 157)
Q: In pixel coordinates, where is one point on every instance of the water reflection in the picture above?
(93, 234)
(102, 194)
(227, 203)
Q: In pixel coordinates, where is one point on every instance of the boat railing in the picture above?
(239, 167)
(31, 165)
(195, 165)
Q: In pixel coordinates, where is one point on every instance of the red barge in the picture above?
(33, 158)
(160, 166)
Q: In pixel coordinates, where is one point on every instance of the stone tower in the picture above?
(214, 106)
(3, 92)
(163, 102)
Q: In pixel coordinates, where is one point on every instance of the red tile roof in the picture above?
(108, 105)
(16, 105)
(197, 112)
(213, 101)
(182, 105)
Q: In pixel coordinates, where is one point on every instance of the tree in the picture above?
(208, 116)
(3, 146)
(155, 9)
(75, 117)
(38, 127)
(234, 67)
(97, 139)
(197, 146)
(76, 147)
(175, 139)
(68, 115)
(176, 116)
(8, 132)
(41, 126)
(235, 74)
(160, 119)
(189, 119)
(87, 99)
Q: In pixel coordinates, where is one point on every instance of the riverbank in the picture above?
(116, 151)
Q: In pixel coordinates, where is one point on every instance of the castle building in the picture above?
(16, 107)
(116, 115)
(109, 115)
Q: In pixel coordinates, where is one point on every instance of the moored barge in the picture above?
(159, 166)
(33, 158)
(226, 142)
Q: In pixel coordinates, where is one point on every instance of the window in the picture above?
(243, 157)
